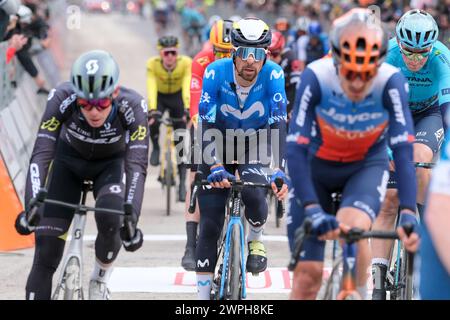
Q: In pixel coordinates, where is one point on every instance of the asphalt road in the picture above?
(154, 271)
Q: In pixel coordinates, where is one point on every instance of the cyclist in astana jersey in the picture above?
(425, 62)
(92, 129)
(220, 40)
(243, 99)
(347, 109)
(434, 264)
(168, 81)
(285, 57)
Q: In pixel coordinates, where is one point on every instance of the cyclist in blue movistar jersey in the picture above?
(243, 99)
(434, 255)
(426, 64)
(347, 109)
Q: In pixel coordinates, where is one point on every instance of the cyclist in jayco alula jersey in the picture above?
(434, 264)
(92, 129)
(243, 99)
(347, 109)
(425, 62)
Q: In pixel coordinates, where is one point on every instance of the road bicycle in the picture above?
(70, 284)
(230, 273)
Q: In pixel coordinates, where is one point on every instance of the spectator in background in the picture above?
(7, 8)
(31, 26)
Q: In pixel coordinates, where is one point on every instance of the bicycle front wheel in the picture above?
(233, 283)
(406, 290)
(72, 280)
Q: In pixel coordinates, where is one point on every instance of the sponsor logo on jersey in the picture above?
(139, 134)
(67, 102)
(398, 108)
(383, 186)
(256, 107)
(127, 112)
(352, 118)
(210, 74)
(195, 83)
(445, 91)
(35, 178)
(364, 206)
(133, 187)
(144, 106)
(276, 74)
(203, 61)
(83, 138)
(51, 125)
(51, 94)
(202, 264)
(115, 189)
(404, 137)
(421, 80)
(206, 98)
(439, 134)
(92, 67)
(304, 101)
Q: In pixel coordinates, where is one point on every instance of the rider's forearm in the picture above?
(405, 175)
(278, 129)
(437, 220)
(300, 174)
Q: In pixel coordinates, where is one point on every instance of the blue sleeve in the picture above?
(444, 110)
(442, 74)
(298, 140)
(401, 137)
(207, 109)
(278, 115)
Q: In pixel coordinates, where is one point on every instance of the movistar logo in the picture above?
(277, 75)
(257, 107)
(210, 73)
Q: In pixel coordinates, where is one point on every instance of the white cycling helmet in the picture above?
(235, 18)
(9, 6)
(302, 24)
(25, 14)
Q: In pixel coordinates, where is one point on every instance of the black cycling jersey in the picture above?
(124, 133)
(291, 68)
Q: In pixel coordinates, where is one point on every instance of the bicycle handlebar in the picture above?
(41, 196)
(353, 235)
(198, 181)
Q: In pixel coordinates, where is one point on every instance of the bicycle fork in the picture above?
(70, 280)
(349, 253)
(235, 219)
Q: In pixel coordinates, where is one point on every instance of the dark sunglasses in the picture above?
(352, 75)
(275, 53)
(170, 52)
(99, 104)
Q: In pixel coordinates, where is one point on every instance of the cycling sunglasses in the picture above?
(166, 53)
(222, 54)
(99, 104)
(275, 53)
(245, 52)
(416, 56)
(350, 75)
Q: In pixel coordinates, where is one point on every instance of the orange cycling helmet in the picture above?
(220, 34)
(358, 43)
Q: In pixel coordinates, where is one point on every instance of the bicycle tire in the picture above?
(333, 283)
(72, 280)
(233, 282)
(168, 180)
(406, 281)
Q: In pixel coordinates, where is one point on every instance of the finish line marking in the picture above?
(178, 237)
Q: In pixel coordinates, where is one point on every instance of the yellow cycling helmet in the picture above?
(220, 34)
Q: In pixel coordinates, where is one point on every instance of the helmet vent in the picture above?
(372, 60)
(361, 44)
(359, 60)
(91, 84)
(79, 83)
(427, 34)
(347, 57)
(417, 37)
(409, 34)
(104, 79)
(346, 45)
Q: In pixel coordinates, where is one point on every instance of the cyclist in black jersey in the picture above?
(92, 129)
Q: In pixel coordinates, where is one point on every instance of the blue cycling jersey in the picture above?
(332, 127)
(431, 84)
(434, 277)
(265, 106)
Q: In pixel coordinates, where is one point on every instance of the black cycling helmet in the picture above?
(167, 42)
(251, 32)
(94, 75)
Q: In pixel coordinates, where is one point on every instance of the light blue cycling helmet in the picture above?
(417, 29)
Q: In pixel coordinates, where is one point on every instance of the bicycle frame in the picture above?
(235, 218)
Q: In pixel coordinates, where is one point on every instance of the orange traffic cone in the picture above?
(10, 207)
